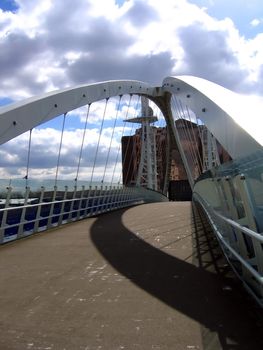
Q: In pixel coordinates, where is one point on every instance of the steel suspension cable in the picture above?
(188, 135)
(128, 144)
(196, 143)
(28, 156)
(112, 134)
(200, 137)
(178, 112)
(82, 143)
(60, 146)
(98, 143)
(163, 145)
(159, 144)
(122, 134)
(201, 131)
(198, 126)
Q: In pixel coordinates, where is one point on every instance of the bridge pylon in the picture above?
(147, 171)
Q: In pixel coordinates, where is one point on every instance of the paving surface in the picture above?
(148, 277)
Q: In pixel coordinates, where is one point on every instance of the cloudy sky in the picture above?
(47, 45)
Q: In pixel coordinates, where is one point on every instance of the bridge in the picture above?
(134, 142)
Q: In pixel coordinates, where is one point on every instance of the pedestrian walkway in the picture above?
(147, 277)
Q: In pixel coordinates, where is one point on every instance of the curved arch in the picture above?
(22, 116)
(229, 116)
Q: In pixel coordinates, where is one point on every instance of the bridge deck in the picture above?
(148, 277)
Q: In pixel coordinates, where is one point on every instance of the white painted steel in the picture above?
(232, 118)
(251, 277)
(20, 117)
(229, 116)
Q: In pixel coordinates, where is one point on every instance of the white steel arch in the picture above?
(20, 117)
(229, 116)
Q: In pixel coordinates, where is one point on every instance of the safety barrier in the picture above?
(20, 218)
(229, 234)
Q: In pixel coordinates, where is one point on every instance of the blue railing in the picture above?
(54, 208)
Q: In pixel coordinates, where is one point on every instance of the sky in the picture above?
(48, 45)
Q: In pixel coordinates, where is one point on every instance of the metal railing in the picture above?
(22, 220)
(224, 229)
(54, 208)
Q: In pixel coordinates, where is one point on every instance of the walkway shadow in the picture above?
(197, 290)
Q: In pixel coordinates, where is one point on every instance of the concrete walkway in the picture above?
(148, 277)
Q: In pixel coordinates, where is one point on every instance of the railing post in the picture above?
(72, 204)
(250, 219)
(98, 208)
(36, 226)
(93, 210)
(103, 199)
(118, 197)
(235, 236)
(237, 241)
(220, 186)
(121, 197)
(80, 202)
(60, 221)
(87, 203)
(23, 214)
(129, 197)
(108, 199)
(3, 223)
(118, 194)
(51, 210)
(114, 195)
(112, 198)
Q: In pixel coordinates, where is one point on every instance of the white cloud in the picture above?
(48, 45)
(45, 144)
(255, 22)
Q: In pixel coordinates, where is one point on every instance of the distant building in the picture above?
(191, 143)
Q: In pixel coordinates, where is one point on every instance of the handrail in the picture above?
(247, 231)
(244, 229)
(31, 218)
(133, 200)
(52, 202)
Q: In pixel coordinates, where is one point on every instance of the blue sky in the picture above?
(242, 13)
(8, 5)
(48, 45)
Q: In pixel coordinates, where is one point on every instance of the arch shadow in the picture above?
(198, 289)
